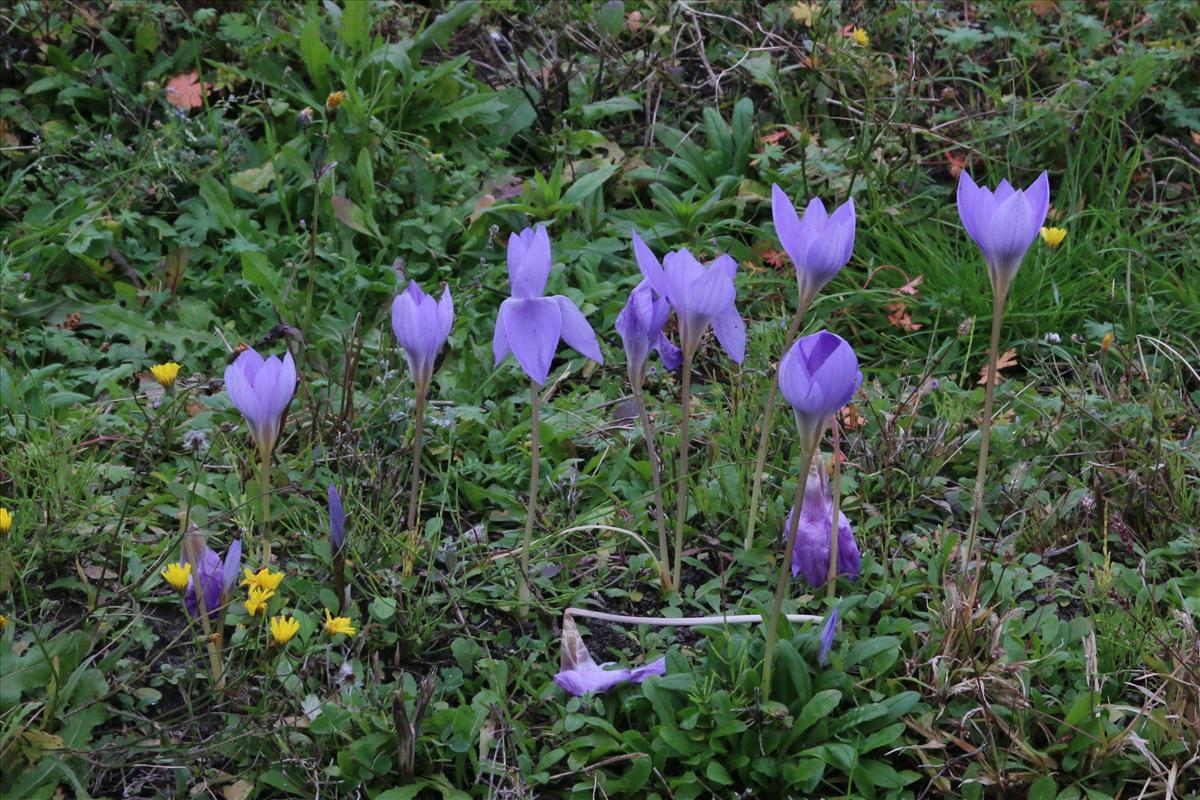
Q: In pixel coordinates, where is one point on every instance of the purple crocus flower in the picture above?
(828, 631)
(818, 375)
(1003, 223)
(588, 676)
(640, 324)
(672, 356)
(701, 296)
(530, 325)
(810, 554)
(214, 576)
(421, 325)
(819, 244)
(337, 522)
(579, 674)
(261, 388)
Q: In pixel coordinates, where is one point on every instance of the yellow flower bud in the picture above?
(5, 521)
(335, 625)
(165, 374)
(283, 629)
(1053, 237)
(257, 600)
(860, 37)
(177, 575)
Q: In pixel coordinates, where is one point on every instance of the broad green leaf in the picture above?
(584, 187)
(605, 108)
(818, 708)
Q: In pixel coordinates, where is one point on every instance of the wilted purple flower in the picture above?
(828, 631)
(530, 325)
(700, 295)
(579, 674)
(818, 375)
(421, 325)
(640, 325)
(819, 244)
(1003, 223)
(261, 389)
(810, 554)
(337, 522)
(588, 676)
(215, 576)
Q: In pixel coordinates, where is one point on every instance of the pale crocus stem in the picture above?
(639, 399)
(685, 622)
(806, 458)
(535, 437)
(836, 517)
(681, 485)
(768, 418)
(414, 490)
(985, 427)
(266, 507)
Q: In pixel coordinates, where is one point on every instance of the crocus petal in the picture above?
(972, 206)
(787, 223)
(533, 327)
(445, 315)
(500, 347)
(241, 392)
(231, 565)
(576, 331)
(529, 262)
(649, 266)
(731, 333)
(672, 356)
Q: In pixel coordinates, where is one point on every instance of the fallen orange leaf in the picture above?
(899, 316)
(1006, 360)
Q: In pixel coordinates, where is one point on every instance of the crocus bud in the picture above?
(1003, 223)
(337, 522)
(640, 324)
(421, 325)
(810, 554)
(819, 244)
(818, 375)
(828, 632)
(261, 388)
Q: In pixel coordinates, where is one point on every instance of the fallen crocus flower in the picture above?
(579, 674)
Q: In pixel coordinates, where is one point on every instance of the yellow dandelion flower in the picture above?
(335, 625)
(1053, 237)
(177, 575)
(860, 37)
(256, 600)
(5, 521)
(283, 629)
(263, 579)
(165, 374)
(3, 623)
(1107, 341)
(334, 100)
